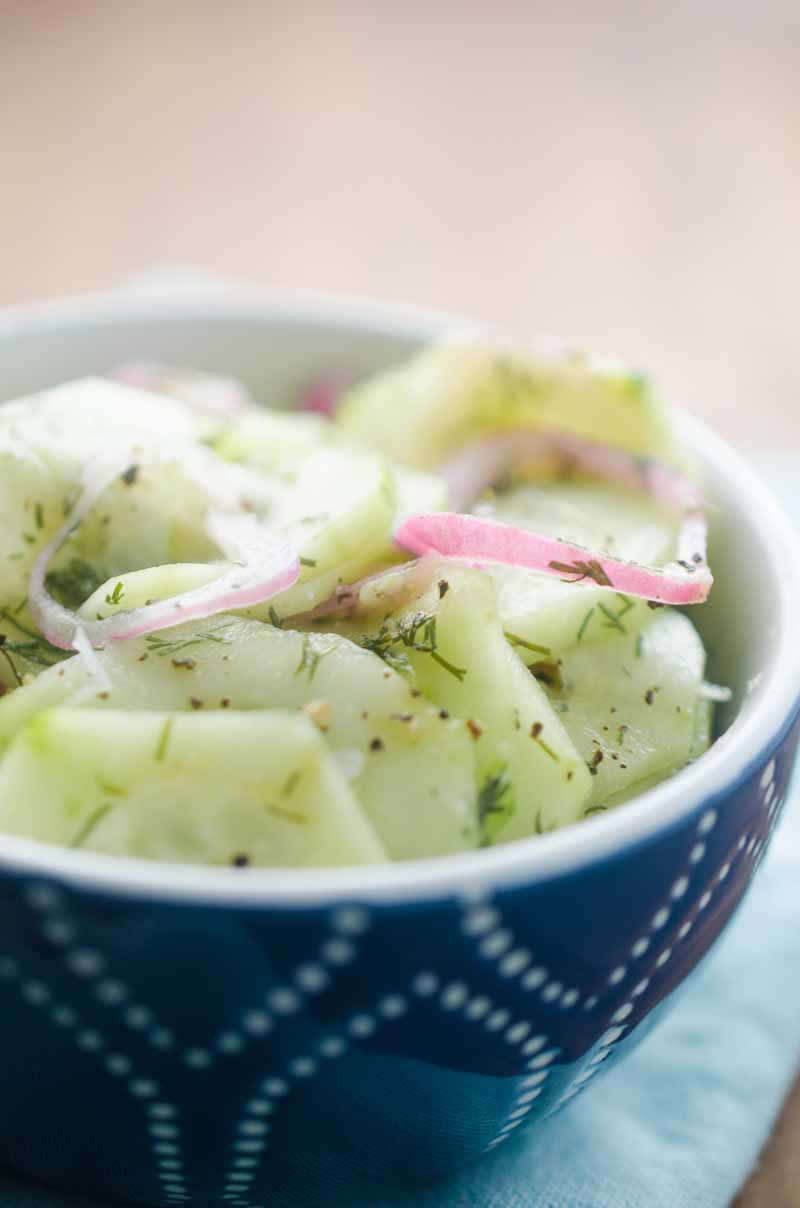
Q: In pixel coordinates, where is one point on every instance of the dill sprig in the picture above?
(584, 623)
(89, 825)
(114, 597)
(35, 648)
(166, 647)
(70, 585)
(417, 632)
(310, 657)
(496, 804)
(612, 619)
(515, 640)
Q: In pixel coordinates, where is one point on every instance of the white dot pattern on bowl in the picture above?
(482, 922)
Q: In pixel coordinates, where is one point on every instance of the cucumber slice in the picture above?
(160, 785)
(275, 441)
(421, 411)
(413, 770)
(631, 705)
(157, 515)
(339, 515)
(531, 776)
(140, 587)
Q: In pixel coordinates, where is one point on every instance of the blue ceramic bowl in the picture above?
(175, 1035)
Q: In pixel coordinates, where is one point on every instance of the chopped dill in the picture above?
(291, 783)
(612, 619)
(114, 597)
(584, 623)
(11, 664)
(166, 647)
(309, 657)
(38, 515)
(417, 632)
(90, 824)
(594, 809)
(274, 619)
(640, 646)
(518, 641)
(35, 649)
(496, 805)
(627, 604)
(163, 740)
(308, 562)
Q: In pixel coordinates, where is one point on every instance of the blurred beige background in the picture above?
(623, 174)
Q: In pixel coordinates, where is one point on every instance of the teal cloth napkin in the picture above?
(679, 1124)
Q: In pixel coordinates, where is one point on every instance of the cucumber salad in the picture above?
(440, 609)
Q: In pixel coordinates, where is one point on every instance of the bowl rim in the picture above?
(732, 758)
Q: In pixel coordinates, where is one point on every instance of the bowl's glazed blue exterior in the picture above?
(187, 1054)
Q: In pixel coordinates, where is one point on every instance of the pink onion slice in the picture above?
(323, 396)
(264, 565)
(480, 464)
(478, 541)
(207, 393)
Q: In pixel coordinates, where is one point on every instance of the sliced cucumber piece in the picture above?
(632, 707)
(339, 515)
(420, 412)
(413, 770)
(236, 788)
(275, 441)
(141, 587)
(462, 661)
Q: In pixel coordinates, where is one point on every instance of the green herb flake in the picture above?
(518, 641)
(35, 648)
(163, 740)
(627, 604)
(310, 658)
(612, 619)
(308, 562)
(90, 824)
(585, 623)
(417, 632)
(640, 646)
(114, 597)
(496, 805)
(167, 647)
(112, 790)
(292, 782)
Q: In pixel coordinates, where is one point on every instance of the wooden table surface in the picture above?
(624, 174)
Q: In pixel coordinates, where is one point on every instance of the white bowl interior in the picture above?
(277, 344)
